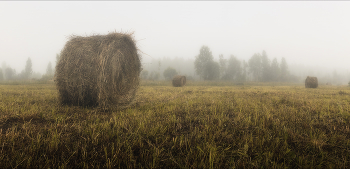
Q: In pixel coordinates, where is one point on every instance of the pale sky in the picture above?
(315, 33)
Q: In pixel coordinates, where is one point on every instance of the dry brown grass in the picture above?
(196, 126)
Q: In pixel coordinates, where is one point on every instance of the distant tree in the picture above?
(21, 76)
(169, 73)
(154, 75)
(211, 71)
(159, 64)
(150, 77)
(1, 75)
(222, 62)
(244, 70)
(144, 74)
(265, 66)
(28, 69)
(234, 69)
(202, 62)
(49, 71)
(255, 66)
(45, 77)
(275, 70)
(10, 73)
(57, 60)
(3, 66)
(284, 70)
(189, 78)
(36, 75)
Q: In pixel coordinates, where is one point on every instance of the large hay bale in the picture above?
(99, 70)
(311, 82)
(179, 81)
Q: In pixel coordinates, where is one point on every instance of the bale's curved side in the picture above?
(76, 72)
(120, 70)
(311, 82)
(184, 80)
(179, 81)
(98, 70)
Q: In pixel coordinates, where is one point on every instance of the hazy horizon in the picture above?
(312, 33)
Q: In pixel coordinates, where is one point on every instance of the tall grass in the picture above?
(196, 126)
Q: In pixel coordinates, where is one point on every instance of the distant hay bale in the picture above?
(99, 70)
(329, 84)
(179, 81)
(311, 82)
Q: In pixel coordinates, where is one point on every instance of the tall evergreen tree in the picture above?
(234, 69)
(275, 70)
(255, 66)
(10, 73)
(222, 63)
(244, 70)
(284, 70)
(28, 69)
(49, 71)
(265, 65)
(1, 75)
(4, 66)
(58, 56)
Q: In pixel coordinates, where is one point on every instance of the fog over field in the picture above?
(312, 37)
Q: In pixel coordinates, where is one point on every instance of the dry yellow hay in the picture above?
(179, 81)
(311, 82)
(99, 70)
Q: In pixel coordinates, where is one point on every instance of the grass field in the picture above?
(201, 125)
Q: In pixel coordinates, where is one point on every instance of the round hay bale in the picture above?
(99, 70)
(311, 82)
(179, 81)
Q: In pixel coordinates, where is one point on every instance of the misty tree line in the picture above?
(258, 68)
(8, 73)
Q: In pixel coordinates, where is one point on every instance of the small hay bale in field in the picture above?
(329, 84)
(311, 82)
(179, 81)
(99, 70)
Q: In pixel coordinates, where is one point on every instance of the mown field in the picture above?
(201, 125)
